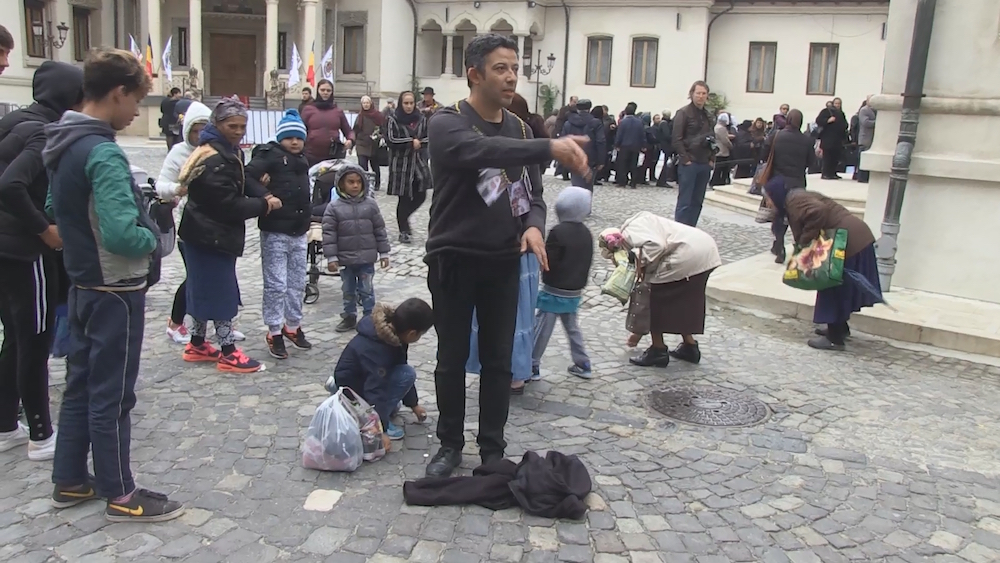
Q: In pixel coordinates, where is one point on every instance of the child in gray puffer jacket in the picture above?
(354, 238)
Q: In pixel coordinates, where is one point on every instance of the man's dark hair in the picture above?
(697, 83)
(630, 108)
(107, 69)
(307, 89)
(412, 314)
(6, 39)
(481, 47)
(174, 91)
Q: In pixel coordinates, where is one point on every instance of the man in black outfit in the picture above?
(629, 140)
(169, 118)
(581, 122)
(486, 211)
(30, 266)
(832, 137)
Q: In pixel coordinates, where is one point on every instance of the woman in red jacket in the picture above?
(324, 124)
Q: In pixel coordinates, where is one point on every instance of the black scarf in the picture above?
(324, 104)
(407, 119)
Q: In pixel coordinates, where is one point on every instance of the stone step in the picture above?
(736, 198)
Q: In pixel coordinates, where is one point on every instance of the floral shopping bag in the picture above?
(820, 265)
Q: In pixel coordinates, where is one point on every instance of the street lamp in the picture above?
(538, 70)
(54, 42)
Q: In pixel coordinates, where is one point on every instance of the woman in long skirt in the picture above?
(409, 173)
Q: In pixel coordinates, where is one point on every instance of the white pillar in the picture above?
(309, 24)
(194, 38)
(271, 55)
(449, 46)
(153, 22)
(520, 45)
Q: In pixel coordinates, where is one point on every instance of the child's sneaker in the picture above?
(65, 497)
(14, 438)
(204, 353)
(238, 336)
(582, 372)
(179, 335)
(144, 506)
(350, 322)
(393, 432)
(42, 450)
(276, 346)
(238, 362)
(297, 338)
(536, 373)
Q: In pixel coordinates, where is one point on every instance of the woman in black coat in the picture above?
(832, 137)
(213, 228)
(788, 163)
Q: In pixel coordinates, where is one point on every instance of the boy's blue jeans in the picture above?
(357, 283)
(395, 386)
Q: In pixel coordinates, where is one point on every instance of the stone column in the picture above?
(153, 21)
(271, 54)
(520, 45)
(309, 23)
(449, 67)
(194, 37)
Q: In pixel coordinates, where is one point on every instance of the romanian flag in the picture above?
(311, 68)
(149, 55)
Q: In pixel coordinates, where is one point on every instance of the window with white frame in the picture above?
(599, 61)
(644, 62)
(760, 68)
(822, 69)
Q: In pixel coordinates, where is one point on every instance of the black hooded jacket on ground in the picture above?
(24, 183)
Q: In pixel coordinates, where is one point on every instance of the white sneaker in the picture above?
(239, 336)
(42, 450)
(14, 438)
(179, 335)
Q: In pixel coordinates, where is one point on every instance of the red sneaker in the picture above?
(238, 362)
(204, 353)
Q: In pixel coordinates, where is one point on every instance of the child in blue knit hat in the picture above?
(280, 169)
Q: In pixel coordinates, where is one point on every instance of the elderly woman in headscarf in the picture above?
(675, 260)
(724, 138)
(368, 123)
(220, 200)
(409, 169)
(788, 152)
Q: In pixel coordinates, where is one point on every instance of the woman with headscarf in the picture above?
(368, 123)
(789, 153)
(724, 139)
(744, 150)
(213, 229)
(675, 260)
(810, 214)
(409, 173)
(325, 122)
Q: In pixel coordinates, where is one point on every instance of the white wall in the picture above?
(859, 66)
(395, 56)
(952, 201)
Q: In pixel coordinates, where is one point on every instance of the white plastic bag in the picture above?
(333, 441)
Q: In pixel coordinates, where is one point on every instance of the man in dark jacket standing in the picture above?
(832, 135)
(692, 128)
(486, 212)
(664, 134)
(629, 140)
(168, 117)
(581, 122)
(29, 262)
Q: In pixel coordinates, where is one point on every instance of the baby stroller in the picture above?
(322, 176)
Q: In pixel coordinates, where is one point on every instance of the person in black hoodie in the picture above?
(283, 233)
(832, 135)
(581, 122)
(486, 211)
(30, 261)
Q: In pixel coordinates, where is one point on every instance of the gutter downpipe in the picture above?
(565, 55)
(413, 63)
(899, 172)
(708, 35)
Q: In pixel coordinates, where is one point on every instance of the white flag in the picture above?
(293, 69)
(165, 58)
(327, 64)
(134, 47)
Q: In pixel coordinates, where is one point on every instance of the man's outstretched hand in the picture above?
(533, 241)
(568, 151)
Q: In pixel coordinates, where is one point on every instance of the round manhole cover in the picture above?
(709, 406)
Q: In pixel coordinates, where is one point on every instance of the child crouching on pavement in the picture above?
(374, 363)
(354, 238)
(570, 249)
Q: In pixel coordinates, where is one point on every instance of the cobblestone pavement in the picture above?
(878, 454)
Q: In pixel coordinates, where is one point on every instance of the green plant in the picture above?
(549, 95)
(415, 84)
(717, 102)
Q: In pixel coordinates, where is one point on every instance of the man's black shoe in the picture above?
(490, 457)
(687, 352)
(444, 462)
(652, 357)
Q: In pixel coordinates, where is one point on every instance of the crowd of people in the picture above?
(76, 229)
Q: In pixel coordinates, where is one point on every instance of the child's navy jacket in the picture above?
(368, 359)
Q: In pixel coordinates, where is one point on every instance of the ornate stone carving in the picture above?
(345, 19)
(89, 4)
(193, 84)
(276, 91)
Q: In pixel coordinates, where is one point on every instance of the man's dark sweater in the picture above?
(631, 134)
(462, 144)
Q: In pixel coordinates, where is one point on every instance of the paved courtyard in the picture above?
(877, 454)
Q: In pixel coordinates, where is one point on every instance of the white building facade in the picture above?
(757, 54)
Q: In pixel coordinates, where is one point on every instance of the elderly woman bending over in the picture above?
(675, 260)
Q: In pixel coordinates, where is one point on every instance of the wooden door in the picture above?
(234, 65)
